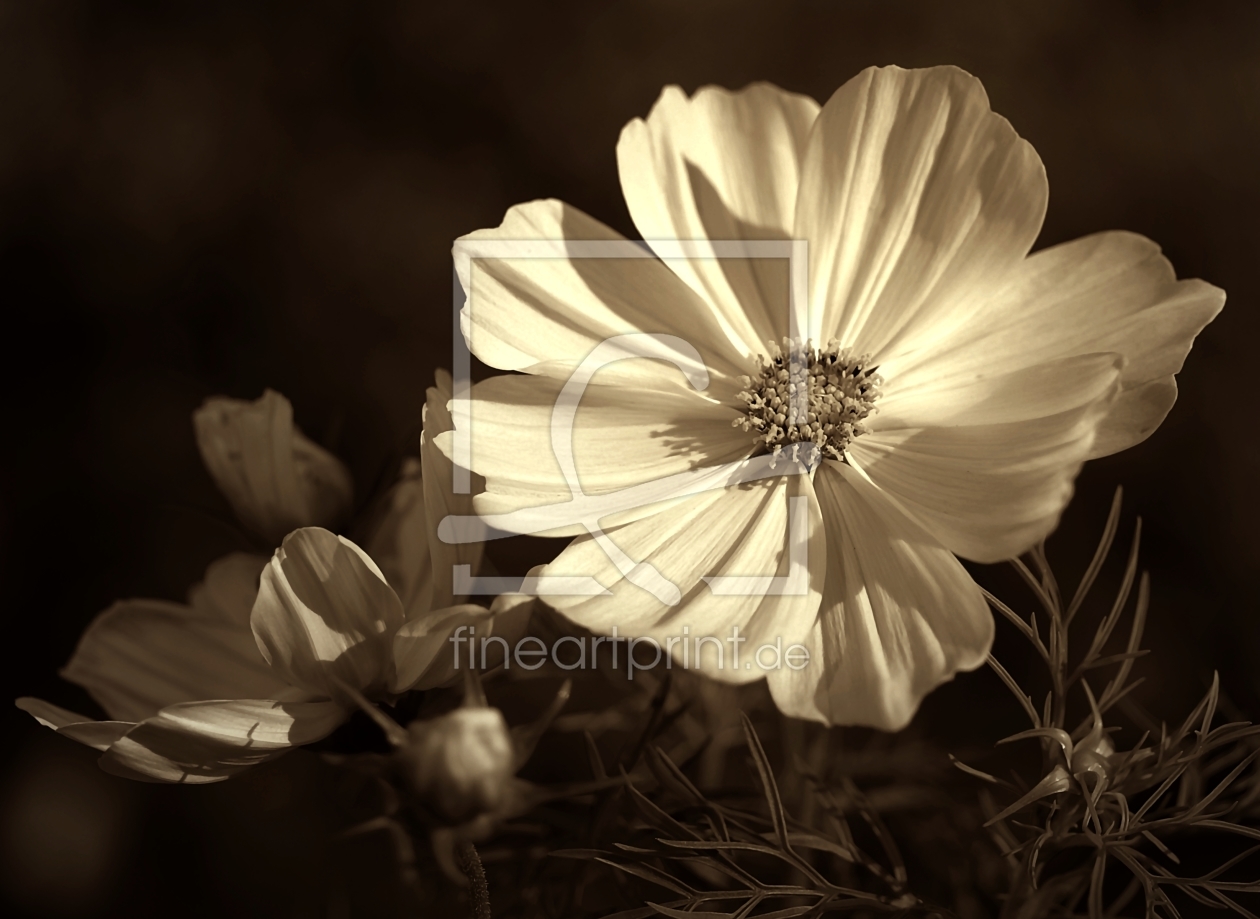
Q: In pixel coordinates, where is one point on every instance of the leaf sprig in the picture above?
(751, 863)
(1101, 824)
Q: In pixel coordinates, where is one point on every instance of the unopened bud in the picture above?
(1093, 754)
(461, 764)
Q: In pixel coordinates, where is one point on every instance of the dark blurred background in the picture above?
(215, 198)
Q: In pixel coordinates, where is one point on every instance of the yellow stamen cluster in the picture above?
(839, 392)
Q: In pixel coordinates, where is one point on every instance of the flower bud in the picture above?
(274, 477)
(1094, 751)
(461, 764)
(1093, 754)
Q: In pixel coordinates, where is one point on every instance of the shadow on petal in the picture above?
(201, 742)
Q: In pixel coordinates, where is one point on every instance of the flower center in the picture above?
(805, 395)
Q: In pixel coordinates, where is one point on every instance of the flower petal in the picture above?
(142, 655)
(1107, 292)
(985, 395)
(325, 616)
(986, 491)
(424, 653)
(440, 499)
(899, 614)
(913, 195)
(1135, 414)
(229, 589)
(621, 437)
(524, 312)
(404, 540)
(725, 166)
(200, 742)
(398, 541)
(274, 477)
(97, 734)
(421, 658)
(745, 531)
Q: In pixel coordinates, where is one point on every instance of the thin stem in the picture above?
(479, 890)
(1015, 690)
(1100, 556)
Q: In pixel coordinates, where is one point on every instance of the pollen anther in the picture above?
(839, 393)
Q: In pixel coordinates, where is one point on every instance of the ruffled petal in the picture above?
(913, 196)
(1107, 292)
(273, 476)
(899, 614)
(96, 734)
(986, 491)
(722, 166)
(621, 438)
(200, 742)
(756, 531)
(142, 655)
(523, 313)
(325, 615)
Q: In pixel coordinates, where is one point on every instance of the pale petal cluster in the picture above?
(271, 654)
(1002, 372)
(959, 382)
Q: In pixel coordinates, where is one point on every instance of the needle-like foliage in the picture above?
(1091, 827)
(671, 803)
(722, 859)
(1104, 823)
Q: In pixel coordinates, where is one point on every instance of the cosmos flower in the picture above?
(268, 655)
(188, 695)
(275, 478)
(951, 383)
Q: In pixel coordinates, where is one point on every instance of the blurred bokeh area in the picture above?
(217, 198)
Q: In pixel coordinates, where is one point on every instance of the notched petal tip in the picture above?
(96, 734)
(914, 194)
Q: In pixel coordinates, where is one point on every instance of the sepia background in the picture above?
(200, 199)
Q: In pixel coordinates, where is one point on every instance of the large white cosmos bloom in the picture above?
(1000, 373)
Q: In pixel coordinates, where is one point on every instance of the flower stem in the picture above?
(479, 890)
